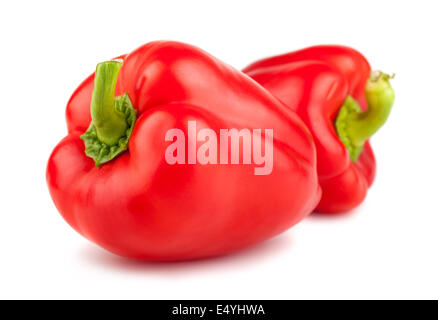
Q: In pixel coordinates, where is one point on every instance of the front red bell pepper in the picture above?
(330, 87)
(111, 181)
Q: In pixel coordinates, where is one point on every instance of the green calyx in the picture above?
(113, 118)
(354, 126)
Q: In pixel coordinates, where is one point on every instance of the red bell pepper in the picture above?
(110, 179)
(334, 92)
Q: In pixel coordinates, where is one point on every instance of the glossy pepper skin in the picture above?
(139, 206)
(315, 83)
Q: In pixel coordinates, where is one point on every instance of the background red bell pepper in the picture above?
(137, 205)
(330, 87)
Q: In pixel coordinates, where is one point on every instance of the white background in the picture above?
(387, 248)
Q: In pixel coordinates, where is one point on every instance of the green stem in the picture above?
(113, 118)
(110, 124)
(354, 126)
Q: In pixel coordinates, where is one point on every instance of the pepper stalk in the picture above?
(354, 126)
(113, 118)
